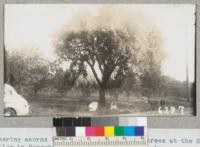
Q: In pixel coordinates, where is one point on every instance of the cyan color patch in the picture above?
(129, 131)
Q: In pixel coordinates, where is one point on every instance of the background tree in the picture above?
(64, 79)
(26, 71)
(151, 79)
(149, 62)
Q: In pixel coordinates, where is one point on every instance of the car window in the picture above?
(9, 90)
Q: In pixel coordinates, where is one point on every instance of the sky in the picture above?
(34, 25)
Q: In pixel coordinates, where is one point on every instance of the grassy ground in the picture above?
(68, 106)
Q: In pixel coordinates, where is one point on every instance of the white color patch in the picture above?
(80, 131)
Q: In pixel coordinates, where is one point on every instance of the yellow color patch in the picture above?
(109, 131)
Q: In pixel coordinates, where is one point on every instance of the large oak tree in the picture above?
(104, 51)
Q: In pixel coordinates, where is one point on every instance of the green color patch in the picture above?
(119, 131)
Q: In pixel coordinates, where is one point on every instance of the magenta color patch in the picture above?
(90, 131)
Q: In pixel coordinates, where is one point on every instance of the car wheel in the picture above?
(10, 112)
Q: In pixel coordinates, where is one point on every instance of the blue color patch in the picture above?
(129, 131)
(139, 131)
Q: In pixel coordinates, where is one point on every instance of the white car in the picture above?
(14, 104)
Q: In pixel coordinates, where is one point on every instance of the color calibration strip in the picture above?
(100, 126)
(95, 131)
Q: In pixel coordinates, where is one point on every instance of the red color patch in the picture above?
(99, 131)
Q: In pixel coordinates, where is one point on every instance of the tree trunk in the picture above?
(102, 93)
(35, 92)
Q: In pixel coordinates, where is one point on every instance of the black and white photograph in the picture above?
(99, 60)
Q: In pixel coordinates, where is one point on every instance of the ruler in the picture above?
(99, 141)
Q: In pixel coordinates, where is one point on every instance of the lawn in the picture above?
(78, 106)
